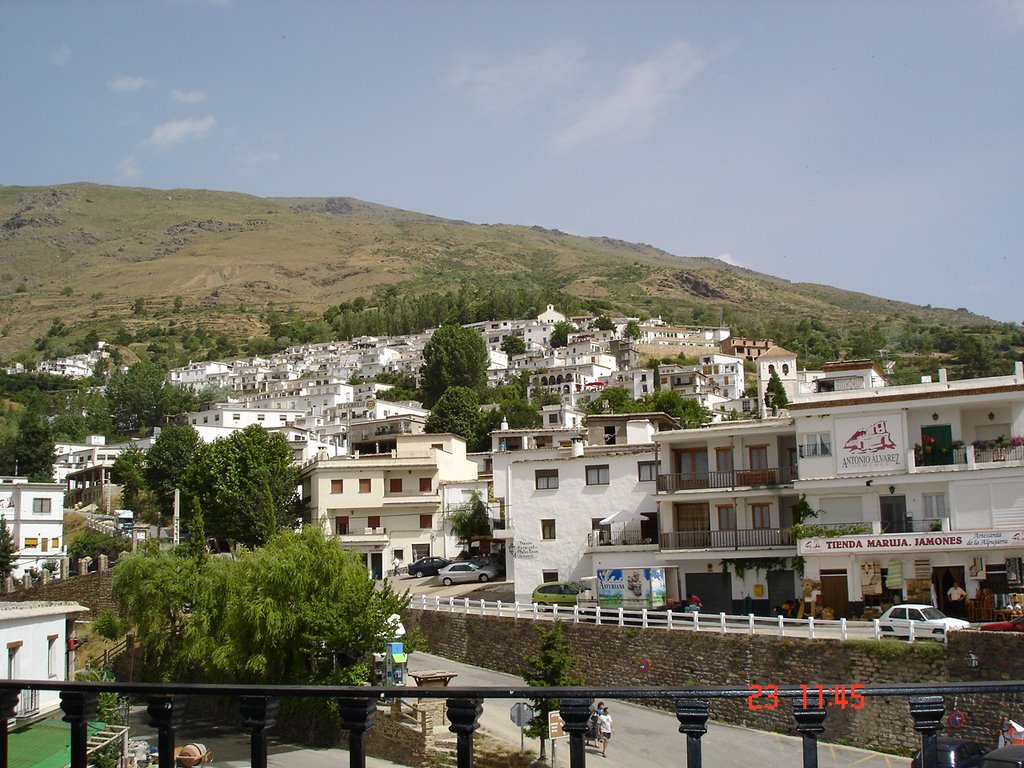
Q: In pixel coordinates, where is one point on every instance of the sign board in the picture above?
(556, 725)
(631, 587)
(938, 541)
(875, 444)
(521, 714)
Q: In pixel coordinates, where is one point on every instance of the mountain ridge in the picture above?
(88, 253)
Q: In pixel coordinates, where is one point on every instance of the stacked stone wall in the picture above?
(615, 656)
(93, 590)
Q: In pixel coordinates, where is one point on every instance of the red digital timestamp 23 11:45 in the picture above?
(842, 696)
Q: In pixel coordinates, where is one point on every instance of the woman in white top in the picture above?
(605, 726)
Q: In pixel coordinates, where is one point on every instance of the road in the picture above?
(651, 738)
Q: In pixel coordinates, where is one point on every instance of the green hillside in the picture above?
(109, 258)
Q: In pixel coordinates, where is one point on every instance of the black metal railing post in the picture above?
(809, 723)
(8, 706)
(258, 714)
(693, 715)
(356, 718)
(162, 712)
(465, 717)
(79, 708)
(576, 716)
(928, 712)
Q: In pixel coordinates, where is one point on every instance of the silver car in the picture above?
(462, 573)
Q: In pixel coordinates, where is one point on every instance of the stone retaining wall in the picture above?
(612, 656)
(93, 590)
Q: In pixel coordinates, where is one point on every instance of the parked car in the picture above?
(1005, 757)
(556, 593)
(955, 753)
(427, 566)
(461, 573)
(928, 621)
(1013, 625)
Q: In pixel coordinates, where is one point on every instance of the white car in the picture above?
(462, 572)
(927, 621)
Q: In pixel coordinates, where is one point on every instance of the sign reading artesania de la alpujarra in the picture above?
(878, 445)
(912, 542)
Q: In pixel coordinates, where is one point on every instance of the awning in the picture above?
(624, 516)
(400, 658)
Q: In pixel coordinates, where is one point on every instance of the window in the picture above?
(399, 553)
(647, 471)
(426, 522)
(395, 485)
(547, 529)
(40, 506)
(723, 460)
(547, 576)
(373, 521)
(727, 518)
(597, 475)
(545, 479)
(341, 525)
(934, 505)
(364, 485)
(816, 444)
(33, 542)
(552, 418)
(759, 457)
(426, 484)
(761, 515)
(52, 659)
(337, 486)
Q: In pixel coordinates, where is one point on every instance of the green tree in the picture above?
(128, 473)
(470, 519)
(167, 462)
(632, 331)
(34, 449)
(457, 412)
(603, 323)
(613, 400)
(138, 397)
(453, 357)
(246, 485)
(513, 345)
(300, 610)
(775, 393)
(560, 334)
(8, 551)
(93, 543)
(553, 667)
(686, 410)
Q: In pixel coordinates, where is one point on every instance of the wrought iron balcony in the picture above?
(736, 478)
(808, 704)
(741, 538)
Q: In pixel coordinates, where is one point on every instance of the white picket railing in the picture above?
(722, 623)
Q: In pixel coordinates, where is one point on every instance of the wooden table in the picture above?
(432, 678)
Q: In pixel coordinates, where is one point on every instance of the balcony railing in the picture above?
(740, 538)
(737, 478)
(621, 537)
(28, 704)
(357, 707)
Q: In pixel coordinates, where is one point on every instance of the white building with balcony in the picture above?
(388, 506)
(34, 514)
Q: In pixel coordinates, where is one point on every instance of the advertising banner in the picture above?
(870, 444)
(940, 541)
(631, 587)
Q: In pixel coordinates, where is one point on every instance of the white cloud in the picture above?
(126, 83)
(128, 169)
(640, 98)
(167, 136)
(511, 84)
(251, 162)
(187, 97)
(1012, 11)
(59, 54)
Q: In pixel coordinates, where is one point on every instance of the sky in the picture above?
(873, 146)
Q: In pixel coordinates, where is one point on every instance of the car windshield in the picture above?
(932, 613)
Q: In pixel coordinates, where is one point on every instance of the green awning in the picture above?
(400, 658)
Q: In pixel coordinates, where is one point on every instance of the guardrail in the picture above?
(808, 704)
(655, 618)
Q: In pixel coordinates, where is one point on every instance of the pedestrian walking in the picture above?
(396, 565)
(607, 728)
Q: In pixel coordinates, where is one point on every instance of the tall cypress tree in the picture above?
(7, 550)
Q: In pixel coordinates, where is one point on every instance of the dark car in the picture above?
(1013, 625)
(1005, 757)
(955, 753)
(427, 566)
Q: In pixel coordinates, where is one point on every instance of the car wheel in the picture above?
(483, 577)
(446, 581)
(418, 574)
